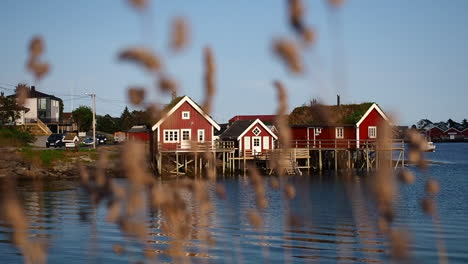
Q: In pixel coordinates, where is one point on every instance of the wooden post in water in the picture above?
(177, 162)
(196, 163)
(336, 158)
(403, 159)
(320, 156)
(367, 156)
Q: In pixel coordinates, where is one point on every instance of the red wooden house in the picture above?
(184, 125)
(342, 126)
(465, 133)
(435, 134)
(250, 136)
(452, 134)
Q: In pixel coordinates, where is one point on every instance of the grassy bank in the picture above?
(15, 137)
(49, 157)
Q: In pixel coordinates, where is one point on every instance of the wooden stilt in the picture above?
(177, 163)
(336, 160)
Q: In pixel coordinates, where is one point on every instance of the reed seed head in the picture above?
(287, 51)
(143, 57)
(432, 187)
(255, 219)
(136, 95)
(180, 34)
(138, 4)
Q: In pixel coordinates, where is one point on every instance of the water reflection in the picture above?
(330, 220)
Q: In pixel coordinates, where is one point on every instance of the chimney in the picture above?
(33, 88)
(338, 100)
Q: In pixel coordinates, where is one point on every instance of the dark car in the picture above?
(55, 140)
(101, 139)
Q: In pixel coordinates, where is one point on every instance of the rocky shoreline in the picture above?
(12, 164)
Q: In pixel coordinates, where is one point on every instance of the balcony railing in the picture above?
(46, 120)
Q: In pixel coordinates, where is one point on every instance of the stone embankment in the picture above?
(12, 164)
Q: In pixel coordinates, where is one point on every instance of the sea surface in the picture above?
(330, 220)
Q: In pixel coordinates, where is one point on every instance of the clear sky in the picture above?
(408, 56)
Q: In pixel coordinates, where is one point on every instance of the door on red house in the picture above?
(256, 145)
(185, 138)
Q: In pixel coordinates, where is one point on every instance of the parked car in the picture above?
(55, 140)
(71, 140)
(119, 137)
(88, 141)
(101, 139)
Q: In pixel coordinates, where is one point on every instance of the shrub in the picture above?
(13, 136)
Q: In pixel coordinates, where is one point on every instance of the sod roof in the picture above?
(328, 115)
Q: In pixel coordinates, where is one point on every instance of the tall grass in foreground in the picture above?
(126, 207)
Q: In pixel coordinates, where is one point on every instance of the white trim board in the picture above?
(257, 121)
(376, 107)
(194, 105)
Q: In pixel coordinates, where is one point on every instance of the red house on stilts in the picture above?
(185, 125)
(331, 126)
(250, 136)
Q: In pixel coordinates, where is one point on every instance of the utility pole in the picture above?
(93, 97)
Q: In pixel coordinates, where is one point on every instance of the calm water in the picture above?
(331, 222)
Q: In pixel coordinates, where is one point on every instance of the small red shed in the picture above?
(184, 124)
(141, 133)
(250, 135)
(346, 126)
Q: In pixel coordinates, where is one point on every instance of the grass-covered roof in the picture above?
(323, 115)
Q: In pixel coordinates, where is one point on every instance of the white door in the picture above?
(185, 138)
(256, 145)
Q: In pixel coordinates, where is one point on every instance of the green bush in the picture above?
(12, 136)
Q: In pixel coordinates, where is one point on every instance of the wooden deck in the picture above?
(318, 154)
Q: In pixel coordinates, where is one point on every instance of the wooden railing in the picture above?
(343, 144)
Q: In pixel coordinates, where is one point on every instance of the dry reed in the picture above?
(143, 57)
(180, 34)
(287, 51)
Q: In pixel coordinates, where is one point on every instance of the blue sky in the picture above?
(409, 56)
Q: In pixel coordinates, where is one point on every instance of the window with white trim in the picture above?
(185, 114)
(266, 142)
(339, 132)
(42, 103)
(171, 136)
(201, 135)
(372, 132)
(256, 142)
(256, 131)
(246, 142)
(185, 134)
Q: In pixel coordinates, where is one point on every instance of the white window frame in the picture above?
(266, 142)
(372, 128)
(175, 136)
(40, 101)
(339, 132)
(246, 143)
(256, 139)
(186, 115)
(201, 135)
(258, 129)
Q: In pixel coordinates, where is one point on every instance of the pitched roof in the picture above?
(264, 118)
(176, 103)
(223, 128)
(33, 93)
(332, 115)
(236, 129)
(138, 129)
(240, 127)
